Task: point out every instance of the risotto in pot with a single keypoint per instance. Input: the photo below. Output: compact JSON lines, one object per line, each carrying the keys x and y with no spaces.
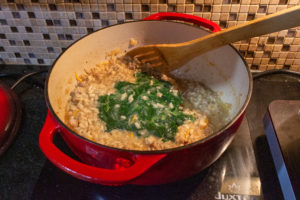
{"x":117,"y":104}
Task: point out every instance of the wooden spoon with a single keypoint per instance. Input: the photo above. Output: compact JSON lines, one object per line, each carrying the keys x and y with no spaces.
{"x":167,"y":57}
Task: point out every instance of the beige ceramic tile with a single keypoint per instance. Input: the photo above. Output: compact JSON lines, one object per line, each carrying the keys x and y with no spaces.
{"x":243,"y":47}
{"x":224,"y":16}
{"x":271,"y":9}
{"x":242,"y":17}
{"x":258,"y":54}
{"x":297,"y":62}
{"x":225,"y":8}
{"x":216,"y":9}
{"x":264,"y":2}
{"x":252,"y":47}
{"x":189,"y":8}
{"x":244,"y":8}
{"x":253,"y":8}
{"x":215,"y":16}
{"x":180,"y":8}
{"x":235,"y":8}
{"x":206,"y":15}
{"x":296,"y":41}
{"x":231,"y":23}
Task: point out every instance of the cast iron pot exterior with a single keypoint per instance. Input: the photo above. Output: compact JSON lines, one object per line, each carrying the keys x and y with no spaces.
{"x":223,"y":70}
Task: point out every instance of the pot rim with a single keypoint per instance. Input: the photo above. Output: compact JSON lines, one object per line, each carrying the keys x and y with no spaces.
{"x":229,"y":124}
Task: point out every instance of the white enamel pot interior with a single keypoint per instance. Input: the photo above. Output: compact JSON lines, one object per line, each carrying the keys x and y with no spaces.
{"x":223,"y":69}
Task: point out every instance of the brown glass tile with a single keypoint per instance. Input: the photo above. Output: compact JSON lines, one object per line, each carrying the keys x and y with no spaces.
{"x":250,"y":16}
{"x":198,"y":8}
{"x":189,"y":1}
{"x":285,"y":48}
{"x":128,"y":16}
{"x":79,"y":15}
{"x":56,"y":22}
{"x":272,"y":61}
{"x":226,"y":1}
{"x":271,"y":40}
{"x":146,"y":8}
{"x":49,"y":22}
{"x":61,"y":36}
{"x":89,"y":30}
{"x":31,"y":14}
{"x":69,"y":37}
{"x":16,"y":15}
{"x":31,"y":55}
{"x":95,"y":15}
{"x":17,"y":55}
{"x":243,"y":53}
{"x":111,"y":7}
{"x":207,"y":8}
{"x":254,"y":67}
{"x":28,"y":29}
{"x":3,"y":22}
{"x":232,"y":16}
{"x":291,"y":33}
{"x":2,"y":36}
{"x":72,"y":22}
{"x":171,"y":8}
{"x":223,"y":24}
{"x":12,"y":42}
{"x":283,"y":2}
{"x":20,"y":7}
{"x":27,"y":61}
{"x":104,"y":23}
{"x":46,"y":36}
{"x":286,"y":67}
{"x":40,"y":61}
{"x":262,"y":9}
{"x":250,"y":54}
{"x":52,"y":7}
{"x":235,"y":1}
{"x":14,"y":29}
{"x":26,"y":42}
{"x":279,"y":40}
{"x":267,"y":54}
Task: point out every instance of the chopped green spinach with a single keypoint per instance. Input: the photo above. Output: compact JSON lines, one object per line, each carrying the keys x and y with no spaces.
{"x":147,"y":107}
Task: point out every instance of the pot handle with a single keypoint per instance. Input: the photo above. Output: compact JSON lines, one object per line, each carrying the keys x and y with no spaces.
{"x":185,"y":17}
{"x":87,"y":172}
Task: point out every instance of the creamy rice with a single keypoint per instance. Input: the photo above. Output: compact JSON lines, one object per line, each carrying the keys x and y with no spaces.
{"x":82,"y":114}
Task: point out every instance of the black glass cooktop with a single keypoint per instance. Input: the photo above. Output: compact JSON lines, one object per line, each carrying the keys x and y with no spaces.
{"x":245,"y":170}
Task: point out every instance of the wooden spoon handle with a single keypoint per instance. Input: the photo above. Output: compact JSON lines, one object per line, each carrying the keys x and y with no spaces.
{"x":281,"y":20}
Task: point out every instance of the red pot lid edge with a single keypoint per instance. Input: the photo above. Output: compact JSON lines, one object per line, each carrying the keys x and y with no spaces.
{"x":10,"y":116}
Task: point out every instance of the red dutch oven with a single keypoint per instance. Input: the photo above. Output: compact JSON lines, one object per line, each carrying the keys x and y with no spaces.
{"x":222,"y":69}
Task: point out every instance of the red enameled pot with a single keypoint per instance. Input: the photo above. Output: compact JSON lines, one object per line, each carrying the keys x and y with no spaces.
{"x":222,"y":69}
{"x":10,"y":116}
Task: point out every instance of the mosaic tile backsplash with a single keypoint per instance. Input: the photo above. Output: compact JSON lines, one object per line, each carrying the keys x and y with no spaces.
{"x":36,"y":31}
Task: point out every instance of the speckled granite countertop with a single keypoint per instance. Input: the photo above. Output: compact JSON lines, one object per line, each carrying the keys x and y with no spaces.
{"x":26,"y":174}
